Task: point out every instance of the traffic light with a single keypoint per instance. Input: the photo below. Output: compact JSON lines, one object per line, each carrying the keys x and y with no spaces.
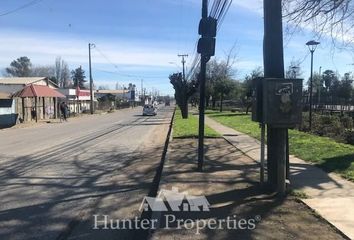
{"x":206,"y":46}
{"x":207,"y":28}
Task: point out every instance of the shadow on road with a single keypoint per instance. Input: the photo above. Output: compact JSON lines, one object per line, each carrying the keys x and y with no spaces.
{"x":54,"y":193}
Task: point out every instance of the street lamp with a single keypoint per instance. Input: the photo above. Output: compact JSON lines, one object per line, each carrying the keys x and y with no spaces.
{"x":312,"y":45}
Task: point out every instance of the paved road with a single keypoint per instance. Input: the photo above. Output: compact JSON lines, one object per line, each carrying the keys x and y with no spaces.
{"x":55,"y":177}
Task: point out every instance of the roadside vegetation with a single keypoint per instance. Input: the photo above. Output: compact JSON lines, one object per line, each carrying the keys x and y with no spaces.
{"x":188,"y":128}
{"x":325,"y":152}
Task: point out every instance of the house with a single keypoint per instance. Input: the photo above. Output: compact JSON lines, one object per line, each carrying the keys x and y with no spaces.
{"x":127,"y":94}
{"x":33,"y":97}
{"x":43,"y":102}
{"x":78,"y":100}
{"x":15,"y":84}
{"x":122,"y":94}
{"x":8,"y":115}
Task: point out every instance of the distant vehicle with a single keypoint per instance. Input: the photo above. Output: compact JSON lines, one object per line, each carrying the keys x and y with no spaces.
{"x":167,"y":103}
{"x":149,"y":110}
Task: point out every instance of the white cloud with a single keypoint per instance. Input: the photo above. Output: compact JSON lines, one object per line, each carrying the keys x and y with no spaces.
{"x":255,"y":6}
{"x":43,"y":48}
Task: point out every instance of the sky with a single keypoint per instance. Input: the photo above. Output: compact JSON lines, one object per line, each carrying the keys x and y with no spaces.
{"x":137,"y":41}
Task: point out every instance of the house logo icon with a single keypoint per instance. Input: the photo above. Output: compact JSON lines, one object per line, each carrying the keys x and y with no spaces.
{"x":173,"y":200}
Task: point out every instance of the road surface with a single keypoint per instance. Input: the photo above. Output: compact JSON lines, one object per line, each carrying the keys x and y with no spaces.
{"x":55,"y":177}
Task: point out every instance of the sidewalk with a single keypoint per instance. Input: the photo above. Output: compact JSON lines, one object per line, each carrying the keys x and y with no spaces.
{"x":230,"y":184}
{"x":328,"y":194}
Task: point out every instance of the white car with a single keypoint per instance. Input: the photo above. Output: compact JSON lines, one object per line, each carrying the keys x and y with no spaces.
{"x":149,"y":110}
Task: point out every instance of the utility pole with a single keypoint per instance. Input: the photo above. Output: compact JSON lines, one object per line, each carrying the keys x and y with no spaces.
{"x":183,"y":62}
{"x":91,"y":45}
{"x":273,"y":60}
{"x":142,"y":93}
{"x":202,"y":78}
{"x":319,"y":88}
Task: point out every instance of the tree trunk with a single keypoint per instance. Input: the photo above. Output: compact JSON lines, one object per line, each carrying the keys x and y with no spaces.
{"x":213,"y":102}
{"x":184,"y":109}
{"x":221,"y":99}
{"x":248,"y":107}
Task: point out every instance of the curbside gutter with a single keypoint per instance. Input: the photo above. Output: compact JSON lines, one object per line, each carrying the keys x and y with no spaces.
{"x":141,"y":233}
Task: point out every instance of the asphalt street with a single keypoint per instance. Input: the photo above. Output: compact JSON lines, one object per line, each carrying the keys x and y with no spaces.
{"x":55,"y":177}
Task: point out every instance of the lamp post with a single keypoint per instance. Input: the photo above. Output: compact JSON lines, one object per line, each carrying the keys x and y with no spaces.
{"x":312,"y":45}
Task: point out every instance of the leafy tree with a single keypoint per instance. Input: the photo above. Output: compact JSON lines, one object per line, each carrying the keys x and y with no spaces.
{"x":21,"y":67}
{"x":329,"y":77}
{"x":183,"y":91}
{"x":318,"y":89}
{"x":346,"y":87}
{"x":78,"y":76}
{"x":223,"y":87}
{"x":219,"y":79}
{"x":247,"y":87}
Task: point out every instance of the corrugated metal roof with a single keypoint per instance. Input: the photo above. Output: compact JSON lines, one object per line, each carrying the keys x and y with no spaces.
{"x":4,"y":95}
{"x":120,"y":91}
{"x":33,"y":90}
{"x":21,"y":80}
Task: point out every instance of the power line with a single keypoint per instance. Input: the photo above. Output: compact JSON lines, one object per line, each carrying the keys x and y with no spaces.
{"x":29,"y":4}
{"x":127,"y":75}
{"x":116,"y":67}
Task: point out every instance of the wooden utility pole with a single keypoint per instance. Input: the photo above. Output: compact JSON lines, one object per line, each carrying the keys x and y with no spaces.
{"x":183,"y":63}
{"x":91,"y":45}
{"x":273,"y":58}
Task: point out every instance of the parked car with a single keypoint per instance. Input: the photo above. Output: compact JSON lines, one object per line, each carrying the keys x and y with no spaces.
{"x":149,"y":110}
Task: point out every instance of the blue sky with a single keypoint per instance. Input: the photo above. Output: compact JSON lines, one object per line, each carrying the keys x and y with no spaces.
{"x":140,"y":39}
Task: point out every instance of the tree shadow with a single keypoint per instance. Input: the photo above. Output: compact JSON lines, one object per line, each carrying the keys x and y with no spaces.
{"x":230,"y":183}
{"x":228,"y":115}
{"x":339,"y":164}
{"x":53,"y":193}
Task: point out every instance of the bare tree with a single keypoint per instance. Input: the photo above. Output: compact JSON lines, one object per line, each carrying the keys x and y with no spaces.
{"x":329,"y":17}
{"x":58,"y":67}
{"x":62,"y":72}
{"x":65,"y":75}
{"x":43,"y":71}
{"x":294,"y":69}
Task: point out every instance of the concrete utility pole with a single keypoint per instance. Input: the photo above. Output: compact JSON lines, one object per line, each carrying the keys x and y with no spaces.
{"x":91,"y":45}
{"x":183,"y":62}
{"x":273,"y":59}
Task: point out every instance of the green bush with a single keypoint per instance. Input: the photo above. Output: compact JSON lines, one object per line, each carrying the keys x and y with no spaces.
{"x":327,"y":125}
{"x":349,"y":136}
{"x":333,"y":126}
{"x":347,"y":122}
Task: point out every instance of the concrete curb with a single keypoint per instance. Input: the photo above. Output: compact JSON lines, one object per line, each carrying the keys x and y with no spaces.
{"x":144,"y":234}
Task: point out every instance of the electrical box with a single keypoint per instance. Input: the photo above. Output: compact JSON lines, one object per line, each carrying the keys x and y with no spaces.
{"x":277,"y":102}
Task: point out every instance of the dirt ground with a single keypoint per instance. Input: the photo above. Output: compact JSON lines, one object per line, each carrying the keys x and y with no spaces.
{"x":230,"y":184}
